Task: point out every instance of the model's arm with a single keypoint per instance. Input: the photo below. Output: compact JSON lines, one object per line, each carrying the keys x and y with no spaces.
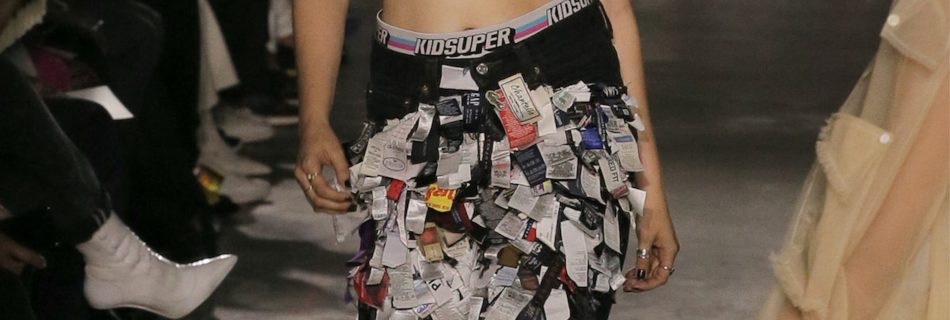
{"x":655,"y":228}
{"x":318,"y":26}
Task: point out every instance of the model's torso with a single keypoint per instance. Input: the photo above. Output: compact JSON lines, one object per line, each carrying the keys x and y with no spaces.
{"x":435,"y":16}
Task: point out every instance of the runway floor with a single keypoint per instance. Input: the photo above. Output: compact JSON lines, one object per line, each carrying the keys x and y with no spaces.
{"x":738,"y":90}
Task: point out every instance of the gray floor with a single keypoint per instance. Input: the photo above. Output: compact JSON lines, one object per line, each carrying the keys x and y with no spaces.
{"x":738,"y":90}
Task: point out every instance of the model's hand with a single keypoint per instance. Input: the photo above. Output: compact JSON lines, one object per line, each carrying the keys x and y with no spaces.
{"x":654,"y":233}
{"x":319,"y":147}
{"x":15,"y":257}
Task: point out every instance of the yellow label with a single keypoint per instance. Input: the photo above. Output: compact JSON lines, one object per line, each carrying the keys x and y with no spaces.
{"x":439,"y":199}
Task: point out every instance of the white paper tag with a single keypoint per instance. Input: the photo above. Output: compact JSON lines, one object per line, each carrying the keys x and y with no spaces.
{"x":575,"y":252}
{"x":475,"y":307}
{"x":637,"y":198}
{"x":611,"y":229}
{"x":373,"y":158}
{"x":626,"y":150}
{"x":613,"y":177}
{"x":457,"y":78}
{"x":523,"y":200}
{"x":416,"y":216}
{"x":103,"y":96}
{"x":508,"y":305}
{"x":546,"y":231}
{"x":440,"y":290}
{"x":395,"y":252}
{"x":556,"y":307}
{"x":519,"y":99}
{"x":590,"y":183}
{"x":401,"y":287}
{"x":546,"y":206}
{"x":510,"y":226}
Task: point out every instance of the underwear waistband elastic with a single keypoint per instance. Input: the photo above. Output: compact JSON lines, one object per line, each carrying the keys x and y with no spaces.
{"x":476,"y":42}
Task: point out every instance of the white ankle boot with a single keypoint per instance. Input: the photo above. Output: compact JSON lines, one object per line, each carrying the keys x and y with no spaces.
{"x":121,"y":271}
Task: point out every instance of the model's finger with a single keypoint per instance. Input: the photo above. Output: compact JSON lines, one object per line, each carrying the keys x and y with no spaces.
{"x":342,"y":170}
{"x":7,"y":262}
{"x":661,"y":272}
{"x":27,"y":256}
{"x":332,"y":207}
{"x":314,"y":184}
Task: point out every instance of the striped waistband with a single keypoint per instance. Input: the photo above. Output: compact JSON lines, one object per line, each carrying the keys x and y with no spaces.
{"x":476,"y":42}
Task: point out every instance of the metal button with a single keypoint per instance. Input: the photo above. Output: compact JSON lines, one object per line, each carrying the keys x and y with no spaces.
{"x":893,"y":20}
{"x":424,"y":90}
{"x":885,"y":138}
{"x":481,"y":68}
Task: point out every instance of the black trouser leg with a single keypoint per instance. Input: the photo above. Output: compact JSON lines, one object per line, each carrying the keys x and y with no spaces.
{"x":40,"y":166}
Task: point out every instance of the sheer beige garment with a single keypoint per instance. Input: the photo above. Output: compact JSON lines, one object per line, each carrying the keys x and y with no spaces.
{"x":870,"y":237}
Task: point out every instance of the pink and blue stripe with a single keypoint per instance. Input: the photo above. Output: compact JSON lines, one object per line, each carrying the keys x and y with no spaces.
{"x":404,"y":44}
{"x":531,"y":27}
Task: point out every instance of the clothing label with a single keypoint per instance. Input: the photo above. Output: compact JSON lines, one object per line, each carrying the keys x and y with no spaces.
{"x":532,"y":165}
{"x":373,"y":158}
{"x":508,"y":305}
{"x":613,"y":177}
{"x":545,"y":206}
{"x":637,"y":198}
{"x":450,"y":106}
{"x":439,"y":199}
{"x":380,"y":204}
{"x":522,"y":200}
{"x":626,"y":150}
{"x":519,"y":99}
{"x":556,"y":307}
{"x":560,"y":160}
{"x":563,"y":100}
{"x":546,"y":231}
{"x":575,"y":252}
{"x":510,"y":226}
{"x":395,"y":252}
{"x":457,"y":78}
{"x":590,"y":183}
{"x":440,"y":290}
{"x":416,"y":216}
{"x":501,"y":172}
{"x":424,"y":125}
{"x":401,"y":287}
{"x":475,"y":307}
{"x":505,"y":276}
{"x":458,"y":249}
{"x":611,"y":229}
{"x":429,"y":243}
{"x":518,"y":134}
{"x":449,"y":163}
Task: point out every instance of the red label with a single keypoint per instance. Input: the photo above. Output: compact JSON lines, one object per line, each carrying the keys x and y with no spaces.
{"x":395,"y":189}
{"x":519,"y":135}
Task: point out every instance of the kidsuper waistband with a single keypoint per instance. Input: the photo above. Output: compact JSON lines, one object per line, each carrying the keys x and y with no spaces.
{"x":477,"y":42}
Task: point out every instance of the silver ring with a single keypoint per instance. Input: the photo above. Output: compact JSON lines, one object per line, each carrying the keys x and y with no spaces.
{"x":643,"y":254}
{"x":668,"y":268}
{"x":310,"y":177}
{"x":309,"y":187}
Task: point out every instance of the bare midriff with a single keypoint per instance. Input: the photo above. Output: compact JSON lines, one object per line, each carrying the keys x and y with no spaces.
{"x":439,"y":16}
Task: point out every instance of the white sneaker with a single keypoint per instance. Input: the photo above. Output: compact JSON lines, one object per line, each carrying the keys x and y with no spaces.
{"x":243,"y":190}
{"x":121,"y":271}
{"x":243,"y":124}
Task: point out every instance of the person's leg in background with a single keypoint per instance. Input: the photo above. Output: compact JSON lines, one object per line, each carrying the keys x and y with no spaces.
{"x":41,"y":168}
{"x":244,"y":24}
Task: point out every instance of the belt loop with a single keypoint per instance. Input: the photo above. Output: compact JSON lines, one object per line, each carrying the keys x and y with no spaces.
{"x":530,"y":71}
{"x":430,"y":80}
